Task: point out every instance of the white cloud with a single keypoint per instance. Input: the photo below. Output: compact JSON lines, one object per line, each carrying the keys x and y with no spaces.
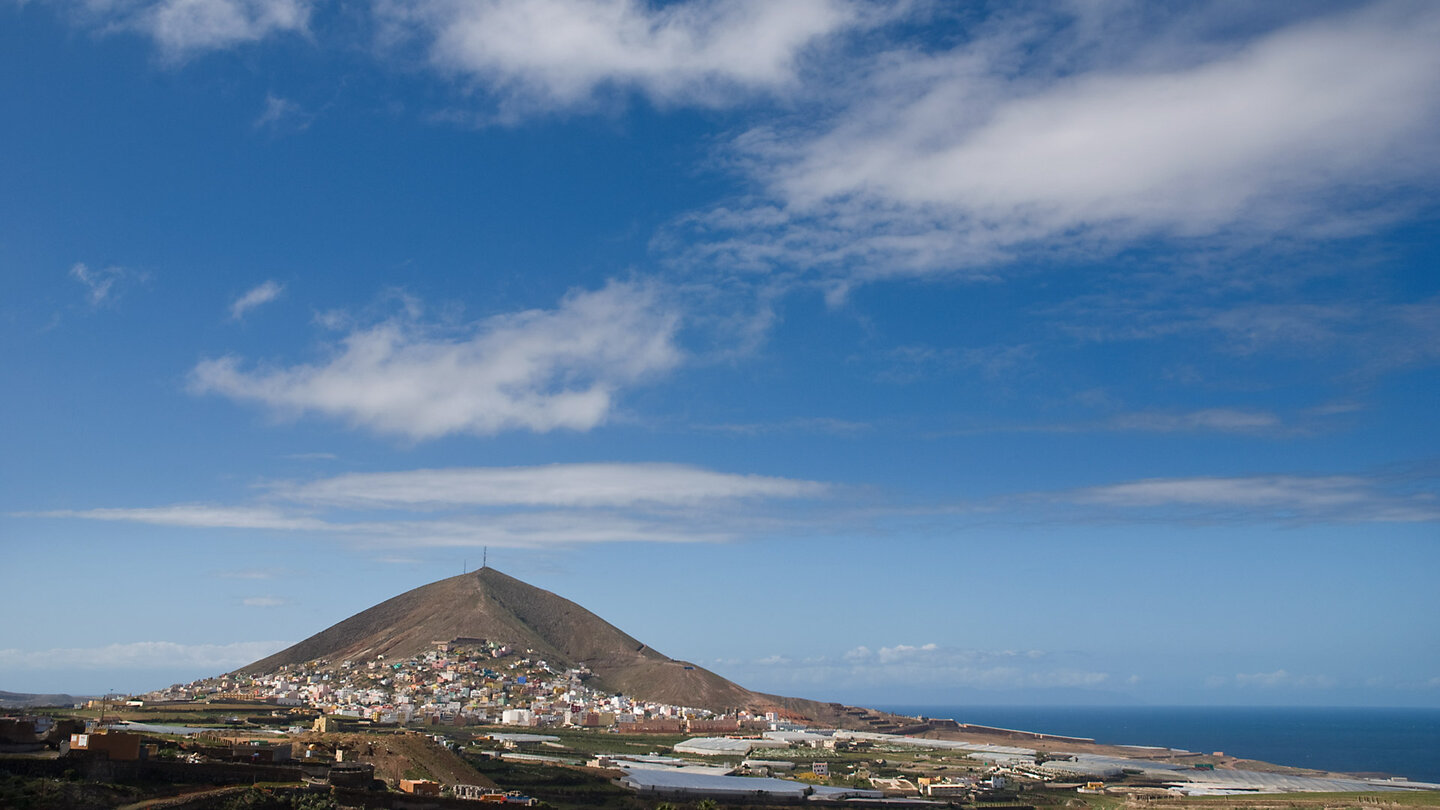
{"x":1343,"y":498}
{"x":184,"y":27}
{"x":517,"y":507}
{"x":1263,"y":491}
{"x":1373,"y":335}
{"x":1347,"y":334}
{"x":197,"y":516}
{"x":538,"y":370}
{"x":262,"y":601}
{"x":1221,"y":420}
{"x":263,"y":294}
{"x":815,"y":424}
{"x":907,"y":364}
{"x":100,"y":285}
{"x":282,"y":113}
{"x":181,"y":26}
{"x":961,"y":159}
{"x":143,"y":655}
{"x":571,"y":485}
{"x":1266,"y":679}
{"x":550,"y":54}
{"x":903,"y":652}
{"x":1273,"y":680}
{"x":932,"y":665}
{"x":540,"y":529}
{"x":1242,"y":421}
{"x":519,"y":530}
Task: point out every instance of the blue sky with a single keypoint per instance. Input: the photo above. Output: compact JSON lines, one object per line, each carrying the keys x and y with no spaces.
{"x":890,"y":352}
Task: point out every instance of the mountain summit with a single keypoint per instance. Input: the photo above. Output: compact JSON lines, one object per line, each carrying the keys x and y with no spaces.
{"x":490,"y":605}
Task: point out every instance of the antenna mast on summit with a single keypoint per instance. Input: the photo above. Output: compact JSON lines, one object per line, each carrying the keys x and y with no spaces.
{"x":485,"y":557}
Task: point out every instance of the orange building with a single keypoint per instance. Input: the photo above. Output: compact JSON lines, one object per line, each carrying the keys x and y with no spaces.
{"x":420,"y":787}
{"x":654,"y":727}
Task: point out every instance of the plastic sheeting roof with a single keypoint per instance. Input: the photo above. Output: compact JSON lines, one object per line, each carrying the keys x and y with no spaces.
{"x":721,"y":746}
{"x":520,"y":738}
{"x":1256,"y":781}
{"x":670,"y":780}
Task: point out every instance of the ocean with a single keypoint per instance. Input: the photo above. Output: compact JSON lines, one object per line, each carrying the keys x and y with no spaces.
{"x":1397,"y":742}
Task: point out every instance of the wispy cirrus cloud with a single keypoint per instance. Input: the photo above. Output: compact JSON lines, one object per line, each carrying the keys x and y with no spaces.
{"x":182,"y":28}
{"x":570,"y":485}
{"x":103,"y":285}
{"x":925,"y":665}
{"x":196,"y":516}
{"x":143,"y":655}
{"x":1280,"y":678}
{"x":554,"y":505}
{"x":1219,"y":420}
{"x":582,"y":504}
{"x":544,"y":55}
{"x":548,"y":528}
{"x":283,"y":114}
{"x":815,"y":424}
{"x":913,"y":363}
{"x":1236,"y":421}
{"x":1367,"y":336}
{"x":528,"y":529}
{"x":1337,"y":498}
{"x":958,"y":160}
{"x":1355,"y":335}
{"x":262,"y":294}
{"x":537,"y":370}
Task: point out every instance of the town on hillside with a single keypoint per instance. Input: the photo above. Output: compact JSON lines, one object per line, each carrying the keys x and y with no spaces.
{"x":464,"y":681}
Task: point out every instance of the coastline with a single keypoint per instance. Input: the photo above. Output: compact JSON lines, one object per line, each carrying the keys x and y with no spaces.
{"x":1362,"y":741}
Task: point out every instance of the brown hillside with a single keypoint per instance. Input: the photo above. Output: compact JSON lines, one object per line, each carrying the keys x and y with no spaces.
{"x":488,"y":604}
{"x":483,"y":604}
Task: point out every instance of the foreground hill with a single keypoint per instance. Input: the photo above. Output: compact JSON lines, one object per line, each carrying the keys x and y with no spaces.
{"x":490,"y":605}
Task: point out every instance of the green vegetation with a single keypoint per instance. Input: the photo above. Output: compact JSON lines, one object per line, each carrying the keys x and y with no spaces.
{"x":198,"y":713}
{"x":259,"y":799}
{"x":22,"y":793}
{"x":1094,"y":801}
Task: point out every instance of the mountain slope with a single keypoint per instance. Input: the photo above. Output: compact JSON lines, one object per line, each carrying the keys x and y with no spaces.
{"x":491,"y":605}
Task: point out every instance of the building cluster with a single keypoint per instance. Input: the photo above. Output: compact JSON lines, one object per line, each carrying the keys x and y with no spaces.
{"x":461,"y":682}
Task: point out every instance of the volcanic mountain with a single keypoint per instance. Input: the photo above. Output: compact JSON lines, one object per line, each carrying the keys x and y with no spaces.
{"x":490,"y":605}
